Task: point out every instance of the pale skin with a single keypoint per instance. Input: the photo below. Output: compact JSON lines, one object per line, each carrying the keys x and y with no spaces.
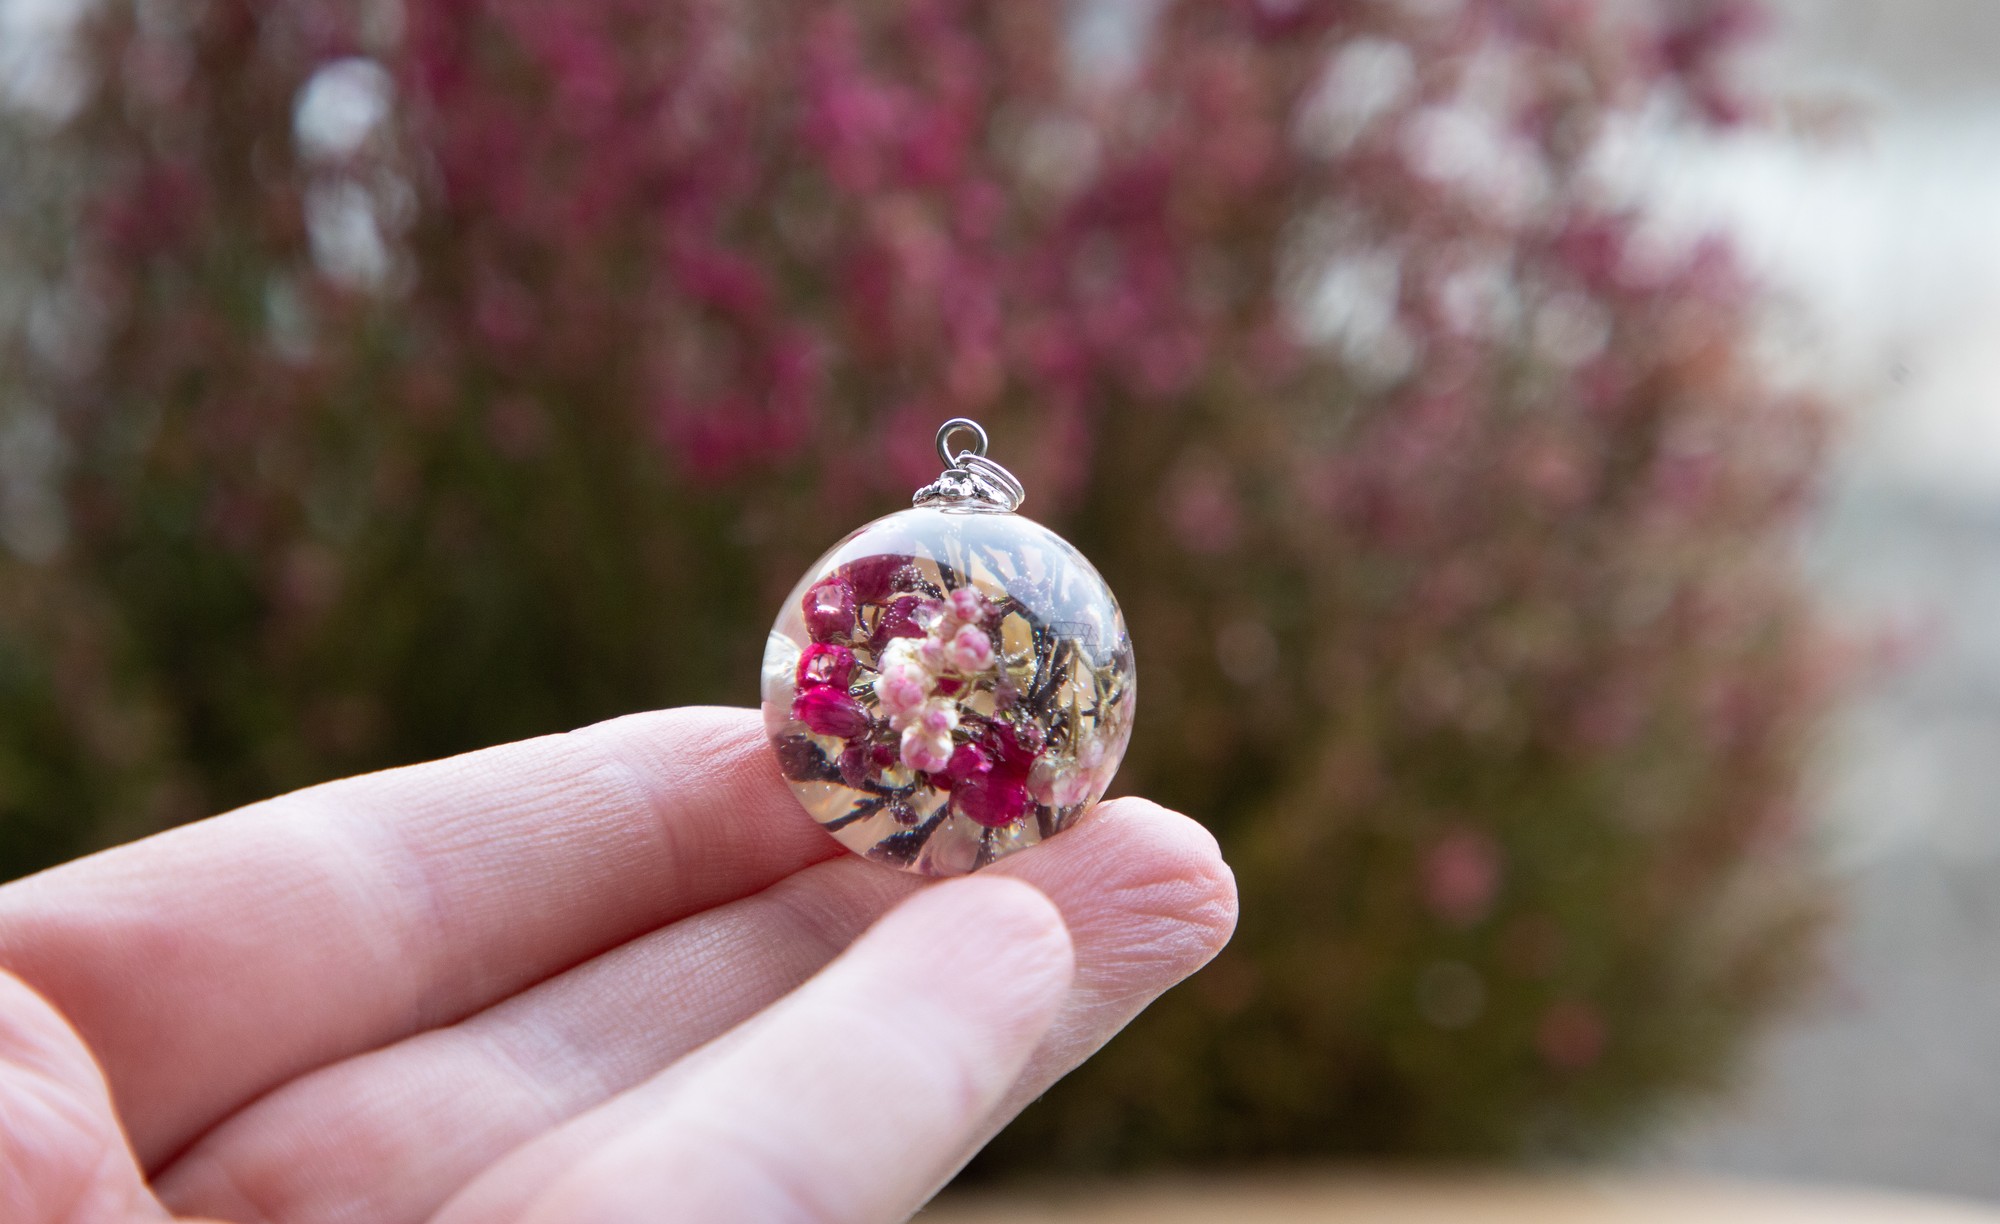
{"x":615,"y":975}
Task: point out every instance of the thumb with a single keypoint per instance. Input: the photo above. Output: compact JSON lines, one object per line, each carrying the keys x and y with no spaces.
{"x":62,"y":1154}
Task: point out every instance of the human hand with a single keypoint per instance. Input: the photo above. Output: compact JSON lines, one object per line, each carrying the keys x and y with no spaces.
{"x":606,"y":976}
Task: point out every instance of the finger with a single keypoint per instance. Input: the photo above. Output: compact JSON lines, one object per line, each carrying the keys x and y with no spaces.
{"x":62,"y":1156}
{"x":1148,"y":926}
{"x":206,"y":965}
{"x":388,"y":1136}
{"x":846,"y":1102}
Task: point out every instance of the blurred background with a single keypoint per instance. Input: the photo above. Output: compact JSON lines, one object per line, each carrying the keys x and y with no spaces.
{"x":1545,"y":449}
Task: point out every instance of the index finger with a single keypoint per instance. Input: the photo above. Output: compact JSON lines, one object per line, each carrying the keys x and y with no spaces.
{"x":208,"y":964}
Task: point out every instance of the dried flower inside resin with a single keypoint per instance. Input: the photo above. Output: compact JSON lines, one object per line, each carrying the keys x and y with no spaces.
{"x":948,"y":685}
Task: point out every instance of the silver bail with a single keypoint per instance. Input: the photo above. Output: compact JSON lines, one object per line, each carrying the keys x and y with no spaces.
{"x":970,"y":480}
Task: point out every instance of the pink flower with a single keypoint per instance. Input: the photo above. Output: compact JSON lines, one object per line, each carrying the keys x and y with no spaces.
{"x":874,"y":579}
{"x":990,"y":778}
{"x":899,"y":620}
{"x":937,"y":718}
{"x":971,"y":650}
{"x":821,"y":664}
{"x":968,"y":763}
{"x":995,"y":799}
{"x":932,"y":654}
{"x":1014,"y":745}
{"x":829,"y":711}
{"x":924,"y":752}
{"x":899,"y":695}
{"x":829,"y":609}
{"x":967,"y":604}
{"x":1059,"y":783}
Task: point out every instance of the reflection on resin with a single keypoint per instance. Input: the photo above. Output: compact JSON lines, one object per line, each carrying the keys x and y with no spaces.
{"x":948,"y":686}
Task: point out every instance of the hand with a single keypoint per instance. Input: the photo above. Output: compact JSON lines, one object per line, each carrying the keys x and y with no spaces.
{"x":615,"y":975}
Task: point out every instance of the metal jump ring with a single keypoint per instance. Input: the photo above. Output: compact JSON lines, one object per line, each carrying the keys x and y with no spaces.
{"x":1011,"y":491}
{"x":969,"y":476}
{"x":954,"y":425}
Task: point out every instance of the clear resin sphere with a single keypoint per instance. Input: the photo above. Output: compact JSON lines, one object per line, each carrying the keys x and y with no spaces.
{"x":947,"y":686}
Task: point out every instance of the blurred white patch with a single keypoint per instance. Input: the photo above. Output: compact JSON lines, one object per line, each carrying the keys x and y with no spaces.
{"x":1477,"y":298}
{"x":1363,"y":81}
{"x":1107,"y":39}
{"x":65,"y":327}
{"x":287,"y":320}
{"x":347,"y":241}
{"x":1886,"y":248}
{"x":1463,"y":146}
{"x":41,"y":70}
{"x":1570,"y":329}
{"x":1354,"y":304}
{"x":343,"y":104}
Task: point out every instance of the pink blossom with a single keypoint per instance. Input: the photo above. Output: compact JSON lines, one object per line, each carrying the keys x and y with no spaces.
{"x":933,"y":655}
{"x":821,"y":664}
{"x":968,"y":762}
{"x":876,"y":578}
{"x":1015,"y":745}
{"x":829,"y":609}
{"x":937,"y":718}
{"x":1059,"y":783}
{"x":899,"y":620}
{"x":899,"y":692}
{"x":992,"y":798}
{"x":924,"y":752}
{"x":967,"y":604}
{"x":971,"y":650}
{"x":829,"y":711}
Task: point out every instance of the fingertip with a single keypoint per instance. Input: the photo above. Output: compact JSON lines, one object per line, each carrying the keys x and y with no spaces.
{"x":1181,"y":847}
{"x":1145,"y":891}
{"x":1143,"y":812}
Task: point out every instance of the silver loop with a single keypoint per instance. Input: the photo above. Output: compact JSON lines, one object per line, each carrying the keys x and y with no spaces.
{"x":951,"y":427}
{"x":970,"y":479}
{"x":1008,"y":487}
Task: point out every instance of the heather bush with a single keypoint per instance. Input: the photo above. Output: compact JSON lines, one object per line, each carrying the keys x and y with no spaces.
{"x":386,"y":380}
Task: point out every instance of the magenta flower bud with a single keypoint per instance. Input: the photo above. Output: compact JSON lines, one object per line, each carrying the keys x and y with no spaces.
{"x":821,"y":664}
{"x":1014,"y":745}
{"x":830,"y":711}
{"x":993,"y":799}
{"x":968,"y":763}
{"x":874,"y":579}
{"x":899,"y":620}
{"x":829,"y":609}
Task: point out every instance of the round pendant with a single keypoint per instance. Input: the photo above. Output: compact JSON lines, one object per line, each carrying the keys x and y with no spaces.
{"x":951,"y":683}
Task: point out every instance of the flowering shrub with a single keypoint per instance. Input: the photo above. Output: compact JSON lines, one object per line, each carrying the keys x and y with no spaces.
{"x":386,"y":380}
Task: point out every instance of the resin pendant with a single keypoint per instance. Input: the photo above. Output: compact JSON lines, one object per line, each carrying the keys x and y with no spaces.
{"x":951,"y":683}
